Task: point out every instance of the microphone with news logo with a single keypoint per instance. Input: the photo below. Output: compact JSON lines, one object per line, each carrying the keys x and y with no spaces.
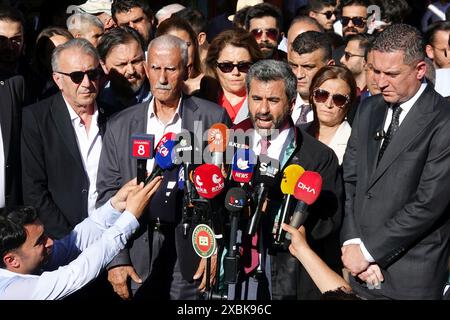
{"x":217,"y":142}
{"x":142,"y":146}
{"x":291,"y":174}
{"x":163,"y":156}
{"x":264,"y":179}
{"x":235,"y":201}
{"x":244,"y":161}
{"x":307,"y":190}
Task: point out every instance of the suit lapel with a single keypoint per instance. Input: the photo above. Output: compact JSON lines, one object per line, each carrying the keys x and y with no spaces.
{"x":6,"y":116}
{"x":61,"y":119}
{"x":417,"y":120}
{"x":376,"y":122}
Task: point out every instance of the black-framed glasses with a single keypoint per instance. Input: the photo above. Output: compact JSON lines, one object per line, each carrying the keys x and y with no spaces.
{"x":328,"y":14}
{"x":348,"y":55}
{"x":321,"y":96}
{"x":78,"y":76}
{"x":357,"y":21}
{"x":227,"y":67}
{"x":271,"y":33}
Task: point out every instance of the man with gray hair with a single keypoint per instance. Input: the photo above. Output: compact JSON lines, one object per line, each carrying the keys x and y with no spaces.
{"x":160,"y":260}
{"x":61,"y":141}
{"x":396,"y":176}
{"x":87,"y":26}
{"x":272,"y":88}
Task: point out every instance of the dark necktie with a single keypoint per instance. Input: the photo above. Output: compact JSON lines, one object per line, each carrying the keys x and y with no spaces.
{"x":393,"y":127}
{"x":305,"y":108}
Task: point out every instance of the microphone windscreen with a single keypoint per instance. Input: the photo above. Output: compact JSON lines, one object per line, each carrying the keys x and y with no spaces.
{"x":180,"y":179}
{"x":164,"y":151}
{"x":218,"y":137}
{"x":267,"y":171}
{"x":235,"y":199}
{"x":208,"y":180}
{"x":244,"y":161}
{"x":308,"y":187}
{"x":290,"y":176}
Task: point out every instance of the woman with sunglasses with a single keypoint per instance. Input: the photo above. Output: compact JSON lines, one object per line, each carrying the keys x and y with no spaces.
{"x":332,"y":94}
{"x":229,"y":57}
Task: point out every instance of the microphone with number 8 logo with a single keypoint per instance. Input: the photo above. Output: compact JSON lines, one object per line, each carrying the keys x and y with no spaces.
{"x":142,"y":146}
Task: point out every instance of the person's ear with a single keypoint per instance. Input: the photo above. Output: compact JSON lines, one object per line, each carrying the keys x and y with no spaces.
{"x":331,"y":62}
{"x":58,"y":79}
{"x":429,"y":51}
{"x":421,"y":68}
{"x":201,"y":38}
{"x":11,"y":261}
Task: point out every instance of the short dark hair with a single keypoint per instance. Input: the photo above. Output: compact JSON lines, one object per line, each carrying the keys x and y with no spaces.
{"x":8,"y":13}
{"x":347,"y":3}
{"x":195,"y":18}
{"x":12,"y":228}
{"x":125,"y":5}
{"x":393,"y":11}
{"x":305,"y":19}
{"x":317,"y":5}
{"x":311,"y":41}
{"x":365,"y":40}
{"x":435,"y":27}
{"x":401,"y":37}
{"x":115,"y":37}
{"x":264,"y":10}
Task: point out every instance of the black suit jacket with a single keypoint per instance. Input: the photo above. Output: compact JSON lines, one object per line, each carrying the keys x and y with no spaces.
{"x":12,"y":95}
{"x":54,"y":178}
{"x":400,"y":208}
{"x":117,"y":167}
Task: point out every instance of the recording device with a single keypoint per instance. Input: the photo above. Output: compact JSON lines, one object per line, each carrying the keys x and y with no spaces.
{"x":264,"y":179}
{"x":163,"y":156}
{"x":235,"y":201}
{"x":307,"y":190}
{"x":217,"y":142}
{"x":142,"y":146}
{"x":291,"y":174}
{"x":244,"y":161}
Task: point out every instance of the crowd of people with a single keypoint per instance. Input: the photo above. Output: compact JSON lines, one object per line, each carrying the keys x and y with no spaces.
{"x":344,"y":89}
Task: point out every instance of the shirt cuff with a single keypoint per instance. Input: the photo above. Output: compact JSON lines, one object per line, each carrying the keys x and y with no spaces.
{"x":128,"y":223}
{"x":352,"y":241}
{"x":366,"y":253}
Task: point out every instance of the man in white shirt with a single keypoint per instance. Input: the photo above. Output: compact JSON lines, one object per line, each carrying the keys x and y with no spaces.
{"x":33,"y":266}
{"x":62,"y":141}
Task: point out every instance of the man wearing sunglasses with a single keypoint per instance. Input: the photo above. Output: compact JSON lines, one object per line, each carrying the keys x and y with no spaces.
{"x":61,"y":141}
{"x":396,"y":168}
{"x":354,"y":17}
{"x":11,"y":40}
{"x":264,"y":22}
{"x":324,"y":12}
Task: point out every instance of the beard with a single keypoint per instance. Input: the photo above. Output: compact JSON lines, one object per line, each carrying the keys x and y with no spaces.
{"x":277,"y":123}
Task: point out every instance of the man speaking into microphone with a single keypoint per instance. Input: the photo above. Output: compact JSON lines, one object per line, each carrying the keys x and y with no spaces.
{"x":271,"y":88}
{"x":160,"y":256}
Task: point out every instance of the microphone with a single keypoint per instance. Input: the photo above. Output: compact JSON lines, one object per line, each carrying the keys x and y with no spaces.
{"x":307,"y":190}
{"x":244,"y":161}
{"x":142,"y":146}
{"x":265,"y":178}
{"x":291,"y":174}
{"x":163,"y":156}
{"x":235,"y":200}
{"x":379,"y":135}
{"x":208,"y":181}
{"x":217,"y":142}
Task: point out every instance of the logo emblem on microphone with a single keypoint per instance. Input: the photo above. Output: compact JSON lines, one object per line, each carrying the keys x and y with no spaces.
{"x":216,"y":179}
{"x":242,"y":164}
{"x":198,"y":181}
{"x":204,"y":241}
{"x":215,"y":136}
{"x":303,"y":186}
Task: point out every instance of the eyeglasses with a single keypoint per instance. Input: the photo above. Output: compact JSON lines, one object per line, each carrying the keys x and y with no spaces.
{"x":78,"y":76}
{"x":15,"y":41}
{"x":227,"y":67}
{"x":321,"y":96}
{"x":348,"y":55}
{"x":357,"y":21}
{"x":271,"y":33}
{"x":327,"y":14}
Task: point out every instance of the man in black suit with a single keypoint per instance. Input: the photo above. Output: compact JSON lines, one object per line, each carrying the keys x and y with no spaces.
{"x":61,"y":141}
{"x":12,"y":95}
{"x":159,"y":254}
{"x":272,"y":88}
{"x":397,"y":177}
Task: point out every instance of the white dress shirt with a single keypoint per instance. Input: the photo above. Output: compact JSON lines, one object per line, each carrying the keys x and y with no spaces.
{"x":98,"y":246}
{"x":339,"y":141}
{"x":2,"y":171}
{"x":159,"y":129}
{"x":278,"y":143}
{"x":90,"y":147}
{"x":406,"y":107}
{"x":297,"y":109}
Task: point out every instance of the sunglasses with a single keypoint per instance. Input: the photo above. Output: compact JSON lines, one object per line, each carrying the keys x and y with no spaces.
{"x":328,"y":14}
{"x":78,"y":76}
{"x":348,"y":55}
{"x":357,"y":21}
{"x":271,"y":33}
{"x":321,"y":96}
{"x":227,"y":67}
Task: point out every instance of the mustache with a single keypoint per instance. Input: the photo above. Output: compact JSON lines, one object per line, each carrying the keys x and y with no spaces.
{"x":266,"y":45}
{"x":264,"y":117}
{"x":163,"y":86}
{"x":351,"y":29}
